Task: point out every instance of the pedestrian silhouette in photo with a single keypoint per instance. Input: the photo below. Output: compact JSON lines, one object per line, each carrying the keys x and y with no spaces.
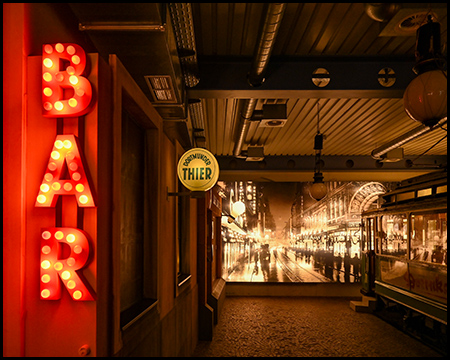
{"x":356,"y":262}
{"x":338,"y":261}
{"x":346,"y":268}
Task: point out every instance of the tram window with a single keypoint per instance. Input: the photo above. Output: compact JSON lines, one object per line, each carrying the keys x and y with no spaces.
{"x":394,"y":235}
{"x":429,"y":237}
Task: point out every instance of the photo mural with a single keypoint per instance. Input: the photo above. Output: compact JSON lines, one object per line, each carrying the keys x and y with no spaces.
{"x":276,"y":232}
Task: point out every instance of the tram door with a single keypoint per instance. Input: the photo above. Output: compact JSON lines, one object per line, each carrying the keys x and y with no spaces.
{"x":368,"y":256}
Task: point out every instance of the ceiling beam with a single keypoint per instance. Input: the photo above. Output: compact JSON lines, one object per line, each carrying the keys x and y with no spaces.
{"x":335,"y":168}
{"x":348,"y":78}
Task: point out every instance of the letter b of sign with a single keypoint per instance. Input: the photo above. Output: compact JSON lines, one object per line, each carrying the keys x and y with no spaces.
{"x":65,"y":92}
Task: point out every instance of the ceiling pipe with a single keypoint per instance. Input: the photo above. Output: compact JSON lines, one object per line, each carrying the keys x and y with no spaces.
{"x":260,"y":62}
{"x":403,"y":139}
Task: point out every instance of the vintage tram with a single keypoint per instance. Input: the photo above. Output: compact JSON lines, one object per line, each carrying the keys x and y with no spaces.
{"x":404,"y":262}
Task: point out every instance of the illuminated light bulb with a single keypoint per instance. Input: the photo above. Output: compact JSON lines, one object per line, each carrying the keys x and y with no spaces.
{"x":48,"y":91}
{"x":79,"y":92}
{"x":77,"y":249}
{"x":48,"y":63}
{"x":58,"y":266}
{"x":45,"y":278}
{"x":76,"y":176}
{"x":45,"y":264}
{"x":52,"y":166}
{"x":70,"y":70}
{"x":56,"y":186}
{"x":47,"y":77}
{"x":73,"y":166}
{"x":70,"y":238}
{"x":45,"y":293}
{"x":73,"y":102}
{"x":48,"y":177}
{"x":46,"y":235}
{"x":45,"y":188}
{"x":59,"y":105}
{"x":70,"y":156}
{"x":79,"y":187}
{"x":67,"y":186}
{"x":46,"y":249}
{"x":65,"y":275}
{"x":73,"y":79}
{"x":77,"y":294}
{"x":70,"y":50}
{"x":58,"y":144}
{"x":67,"y":144}
{"x":59,"y":77}
{"x":59,"y":47}
{"x":70,"y":261}
{"x":48,"y":49}
{"x":84,"y":199}
{"x":55,"y":155}
{"x":48,"y":106}
{"x":59,"y":235}
{"x":76,"y":59}
{"x":71,"y":284}
{"x":41,"y":199}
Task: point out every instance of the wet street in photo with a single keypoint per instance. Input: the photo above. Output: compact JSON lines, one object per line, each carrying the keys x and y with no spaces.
{"x":285,"y":266}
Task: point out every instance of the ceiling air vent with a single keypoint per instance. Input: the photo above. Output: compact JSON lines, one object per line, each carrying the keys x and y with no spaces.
{"x":161,"y":89}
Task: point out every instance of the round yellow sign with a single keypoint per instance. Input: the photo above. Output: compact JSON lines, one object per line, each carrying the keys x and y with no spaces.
{"x":198,"y":169}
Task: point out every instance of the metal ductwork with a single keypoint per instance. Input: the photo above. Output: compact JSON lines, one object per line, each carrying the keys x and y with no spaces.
{"x":183,"y":24}
{"x":403,"y":139}
{"x":260,"y":62}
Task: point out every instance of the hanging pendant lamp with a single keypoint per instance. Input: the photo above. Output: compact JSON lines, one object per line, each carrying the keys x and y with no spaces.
{"x":318,"y":189}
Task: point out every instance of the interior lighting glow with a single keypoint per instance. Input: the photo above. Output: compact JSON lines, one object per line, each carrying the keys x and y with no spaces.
{"x":45,"y":293}
{"x":83,"y":199}
{"x":41,"y":199}
{"x":55,"y":155}
{"x":65,"y":275}
{"x":58,"y":266}
{"x":73,"y":80}
{"x":45,"y":188}
{"x":65,"y":151}
{"x":59,"y":235}
{"x":59,"y":47}
{"x":76,"y":59}
{"x":73,"y":102}
{"x":67,"y":144}
{"x":46,"y":249}
{"x":48,"y":63}
{"x":79,"y":188}
{"x":70,"y":238}
{"x":45,"y":278}
{"x":71,"y":284}
{"x":59,"y":105}
{"x":58,"y":82}
{"x":77,"y":295}
{"x":45,"y":264}
{"x":48,"y":49}
{"x":47,"y":77}
{"x":48,"y":91}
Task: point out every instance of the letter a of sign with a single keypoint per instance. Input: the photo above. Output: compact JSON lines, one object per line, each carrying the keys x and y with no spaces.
{"x":59,"y":263}
{"x":65,"y":151}
{"x":65,"y":92}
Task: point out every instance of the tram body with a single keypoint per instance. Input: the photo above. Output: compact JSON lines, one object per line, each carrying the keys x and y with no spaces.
{"x":404,"y":250}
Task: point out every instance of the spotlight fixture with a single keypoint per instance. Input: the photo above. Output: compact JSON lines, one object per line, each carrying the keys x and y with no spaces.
{"x":318,"y":189}
{"x":425,"y":98}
